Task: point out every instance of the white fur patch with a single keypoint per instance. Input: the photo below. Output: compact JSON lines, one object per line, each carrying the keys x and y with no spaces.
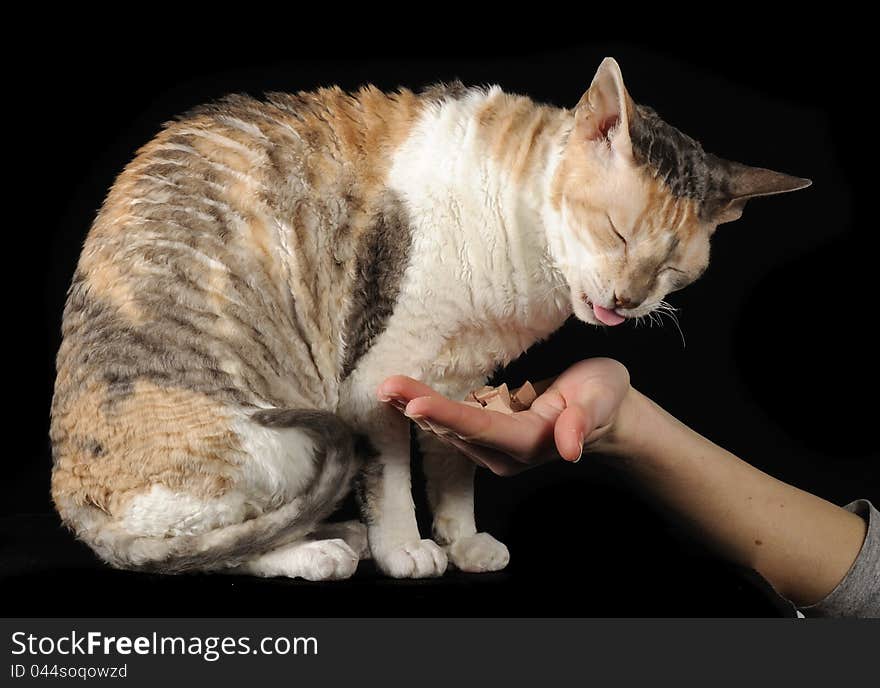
{"x":161,"y":512}
{"x":280,"y":463}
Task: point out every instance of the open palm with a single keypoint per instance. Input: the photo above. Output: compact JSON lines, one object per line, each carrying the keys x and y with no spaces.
{"x":579,"y":407}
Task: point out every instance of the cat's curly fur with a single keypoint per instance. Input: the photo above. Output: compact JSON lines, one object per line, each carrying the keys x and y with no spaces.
{"x":262,"y":265}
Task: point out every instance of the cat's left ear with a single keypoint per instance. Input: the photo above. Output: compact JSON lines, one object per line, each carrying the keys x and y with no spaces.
{"x":603,"y":113}
{"x":739,"y":183}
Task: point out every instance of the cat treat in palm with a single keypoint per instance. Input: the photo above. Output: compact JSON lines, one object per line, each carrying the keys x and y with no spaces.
{"x":502,"y":400}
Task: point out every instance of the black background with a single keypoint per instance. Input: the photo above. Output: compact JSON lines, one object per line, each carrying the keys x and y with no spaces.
{"x":780,"y":358}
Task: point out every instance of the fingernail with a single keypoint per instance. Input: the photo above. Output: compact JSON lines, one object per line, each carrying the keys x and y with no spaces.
{"x":385,"y":396}
{"x":581,"y":445}
{"x":414,"y":416}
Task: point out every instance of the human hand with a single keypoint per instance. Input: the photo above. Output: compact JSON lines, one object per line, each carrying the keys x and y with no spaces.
{"x":577,"y":411}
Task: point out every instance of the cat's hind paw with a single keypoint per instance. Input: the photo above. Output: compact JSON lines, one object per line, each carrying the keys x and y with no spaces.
{"x":421,"y":559}
{"x":328,"y":560}
{"x":478,"y":553}
{"x":319,"y":560}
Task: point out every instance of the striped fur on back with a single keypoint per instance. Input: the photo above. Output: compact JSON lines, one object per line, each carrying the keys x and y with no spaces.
{"x":238,"y":259}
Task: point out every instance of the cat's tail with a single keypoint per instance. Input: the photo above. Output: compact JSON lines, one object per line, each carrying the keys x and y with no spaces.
{"x":333,"y":457}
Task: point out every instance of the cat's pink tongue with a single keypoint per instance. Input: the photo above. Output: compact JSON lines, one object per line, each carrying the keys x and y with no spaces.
{"x":607,"y":317}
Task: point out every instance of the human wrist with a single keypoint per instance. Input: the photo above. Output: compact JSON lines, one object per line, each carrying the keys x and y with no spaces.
{"x":640,"y":434}
{"x":620,"y":438}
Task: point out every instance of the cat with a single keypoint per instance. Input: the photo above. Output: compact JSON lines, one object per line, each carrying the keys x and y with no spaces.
{"x":262,"y":265}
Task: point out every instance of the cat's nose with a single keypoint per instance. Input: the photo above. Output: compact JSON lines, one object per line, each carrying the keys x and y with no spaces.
{"x":625,"y":301}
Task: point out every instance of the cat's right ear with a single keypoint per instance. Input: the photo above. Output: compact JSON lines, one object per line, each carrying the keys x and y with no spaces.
{"x":603,"y":113}
{"x":740,"y":183}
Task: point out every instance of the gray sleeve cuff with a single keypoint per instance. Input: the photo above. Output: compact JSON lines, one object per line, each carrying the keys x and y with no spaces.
{"x":858,"y":594}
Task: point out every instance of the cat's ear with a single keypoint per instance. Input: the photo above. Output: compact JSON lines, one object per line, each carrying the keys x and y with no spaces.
{"x":739,"y":183}
{"x":604,"y":111}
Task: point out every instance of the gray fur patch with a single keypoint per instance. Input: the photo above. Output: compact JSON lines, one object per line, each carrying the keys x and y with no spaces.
{"x":321,"y":425}
{"x":382,"y":257}
{"x":440,"y":92}
{"x":101,"y":344}
{"x":368,"y":485}
{"x":672,"y":156}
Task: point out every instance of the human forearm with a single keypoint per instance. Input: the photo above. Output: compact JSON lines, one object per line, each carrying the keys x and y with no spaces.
{"x":801,"y":543}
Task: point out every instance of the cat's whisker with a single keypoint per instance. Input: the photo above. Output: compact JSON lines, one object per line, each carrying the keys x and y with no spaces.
{"x":674,"y":318}
{"x":666,"y":306}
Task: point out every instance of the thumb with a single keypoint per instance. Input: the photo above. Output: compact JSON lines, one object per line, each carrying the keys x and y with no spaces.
{"x":572,"y":428}
{"x":591,"y":410}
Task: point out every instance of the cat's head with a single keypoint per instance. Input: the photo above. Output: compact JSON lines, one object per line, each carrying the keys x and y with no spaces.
{"x":637,"y":201}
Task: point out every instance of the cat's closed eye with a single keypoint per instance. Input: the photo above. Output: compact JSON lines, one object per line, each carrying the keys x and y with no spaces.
{"x":670,"y":268}
{"x":678,"y":278}
{"x":615,"y":230}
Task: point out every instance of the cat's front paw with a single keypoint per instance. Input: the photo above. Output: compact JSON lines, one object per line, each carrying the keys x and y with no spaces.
{"x":478,"y":553}
{"x":418,"y":559}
